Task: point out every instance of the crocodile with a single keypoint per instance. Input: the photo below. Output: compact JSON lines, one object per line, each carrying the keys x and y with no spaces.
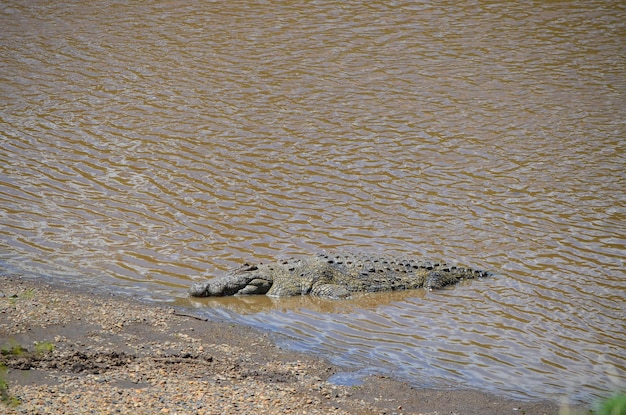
{"x":334,"y":276}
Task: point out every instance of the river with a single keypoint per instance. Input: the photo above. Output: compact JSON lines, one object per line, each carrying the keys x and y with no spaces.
{"x":147,"y":145}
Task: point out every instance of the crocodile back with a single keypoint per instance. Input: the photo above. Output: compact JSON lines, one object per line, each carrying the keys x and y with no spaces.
{"x":365,"y":273}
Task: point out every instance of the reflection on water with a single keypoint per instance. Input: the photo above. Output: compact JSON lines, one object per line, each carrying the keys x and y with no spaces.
{"x":148,"y":145}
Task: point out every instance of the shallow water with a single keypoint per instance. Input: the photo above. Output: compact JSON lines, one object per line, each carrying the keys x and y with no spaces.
{"x":144,"y":146}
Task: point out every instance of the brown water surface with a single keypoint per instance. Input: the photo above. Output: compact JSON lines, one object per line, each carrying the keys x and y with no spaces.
{"x":149,"y":144}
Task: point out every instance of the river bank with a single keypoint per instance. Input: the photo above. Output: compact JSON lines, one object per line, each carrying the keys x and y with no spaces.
{"x":77,"y":352}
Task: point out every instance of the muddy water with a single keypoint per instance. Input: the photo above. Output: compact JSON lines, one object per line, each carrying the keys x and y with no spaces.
{"x":144,"y":146}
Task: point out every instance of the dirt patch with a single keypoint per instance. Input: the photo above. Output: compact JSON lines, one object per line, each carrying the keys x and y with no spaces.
{"x":73,"y":362}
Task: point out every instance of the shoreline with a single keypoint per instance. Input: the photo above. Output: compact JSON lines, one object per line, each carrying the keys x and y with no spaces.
{"x":92,"y":352}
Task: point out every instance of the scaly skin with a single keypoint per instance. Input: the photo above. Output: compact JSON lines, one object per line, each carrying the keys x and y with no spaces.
{"x":334,"y":276}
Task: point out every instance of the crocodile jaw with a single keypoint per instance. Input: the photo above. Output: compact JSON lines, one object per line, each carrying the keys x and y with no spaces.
{"x":208,"y":289}
{"x":247,"y":280}
{"x":200,"y":289}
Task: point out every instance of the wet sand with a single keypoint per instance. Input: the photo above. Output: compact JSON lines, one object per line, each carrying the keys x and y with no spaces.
{"x":115,"y":354}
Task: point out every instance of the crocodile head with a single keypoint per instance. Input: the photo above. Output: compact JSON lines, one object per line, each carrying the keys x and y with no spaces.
{"x":246,"y":280}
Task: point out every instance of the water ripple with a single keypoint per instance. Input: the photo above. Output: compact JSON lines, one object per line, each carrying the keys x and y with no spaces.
{"x":148,"y":145}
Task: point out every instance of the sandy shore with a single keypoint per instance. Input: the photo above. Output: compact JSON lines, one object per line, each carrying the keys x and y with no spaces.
{"x":118,"y":355}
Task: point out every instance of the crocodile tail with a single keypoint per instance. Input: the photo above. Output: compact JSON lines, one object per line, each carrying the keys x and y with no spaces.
{"x":444,"y":276}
